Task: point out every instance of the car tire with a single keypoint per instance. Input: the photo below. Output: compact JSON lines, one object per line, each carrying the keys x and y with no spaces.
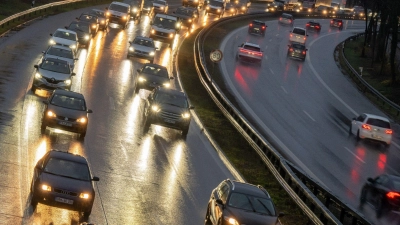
{"x":358,"y":136}
{"x":82,"y":135}
{"x":380,"y":207}
{"x":34,"y":201}
{"x":87,"y":213}
{"x":350,"y":133}
{"x":185,"y":131}
{"x":363,"y":198}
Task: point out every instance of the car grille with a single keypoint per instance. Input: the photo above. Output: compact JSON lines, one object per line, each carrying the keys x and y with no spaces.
{"x":52,"y":80}
{"x":62,"y":45}
{"x":141,"y":52}
{"x":159,"y":33}
{"x":66,"y":118}
{"x":171,"y":116}
{"x":65,"y":192}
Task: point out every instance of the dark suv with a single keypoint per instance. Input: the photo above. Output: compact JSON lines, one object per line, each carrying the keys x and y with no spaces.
{"x":234,"y":202}
{"x":257,"y":27}
{"x":336,"y":23}
{"x":151,"y":76}
{"x":168,"y":108}
{"x":314,"y":26}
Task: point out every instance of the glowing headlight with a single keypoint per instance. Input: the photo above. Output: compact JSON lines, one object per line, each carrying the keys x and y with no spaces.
{"x":102,"y":22}
{"x":324,"y":12}
{"x":46,"y":187}
{"x":155,"y":108}
{"x":231,"y":220}
{"x":151,"y":53}
{"x":84,"y":195}
{"x":231,"y":10}
{"x":171,"y":35}
{"x":243,"y":8}
{"x":93,"y":26}
{"x":51,"y":114}
{"x":124,"y":17}
{"x":186,"y":115}
{"x":72,"y":46}
{"x":134,"y":10}
{"x":81,"y":120}
{"x":67,"y":82}
{"x":87,"y":37}
{"x":166,"y":85}
{"x":141,"y":79}
{"x":107,"y":13}
{"x":162,"y":8}
{"x":52,"y":42}
{"x":218,"y":10}
{"x":297,"y":10}
{"x":131,"y":49}
{"x":196,"y":0}
{"x":190,"y":20}
{"x":309,"y":10}
{"x":208,"y":8}
{"x":153,"y":31}
{"x":361,"y":14}
{"x":38,"y":76}
{"x":333,"y":12}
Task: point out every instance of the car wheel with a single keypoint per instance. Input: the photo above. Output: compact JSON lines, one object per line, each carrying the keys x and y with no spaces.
{"x":87,"y":213}
{"x":82,"y":135}
{"x":380,"y":207}
{"x":358,"y":136}
{"x":350,"y":133}
{"x":185,"y":132}
{"x":34,"y":201}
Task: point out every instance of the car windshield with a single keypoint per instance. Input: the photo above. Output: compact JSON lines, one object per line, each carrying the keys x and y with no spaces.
{"x":298,"y":46}
{"x":140,"y":41}
{"x":65,"y":53}
{"x":65,"y":35}
{"x":216,"y":3}
{"x":98,"y":13}
{"x":134,"y":3}
{"x":378,"y":123}
{"x":88,"y":18}
{"x":299,"y":31}
{"x":157,"y":71}
{"x":55,"y":66}
{"x":67,"y":168}
{"x":286,"y":16}
{"x":160,"y":2}
{"x":252,"y":203}
{"x":184,"y":11}
{"x":118,"y":8}
{"x":258,"y":23}
{"x":171,"y":99}
{"x":148,"y":4}
{"x":68,"y":102}
{"x":81,"y":27}
{"x":164,"y":22}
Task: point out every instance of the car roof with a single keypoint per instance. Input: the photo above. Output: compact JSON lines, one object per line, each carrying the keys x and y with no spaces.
{"x":171,"y":17}
{"x":170,"y":91}
{"x":250,"y":189}
{"x":60,"y":47}
{"x":65,"y":30}
{"x":377,"y":117}
{"x":68,"y":93}
{"x":251,"y":44}
{"x":287,"y":14}
{"x":67,"y":156}
{"x":258,"y":22}
{"x":120,"y":3}
{"x":299,"y":28}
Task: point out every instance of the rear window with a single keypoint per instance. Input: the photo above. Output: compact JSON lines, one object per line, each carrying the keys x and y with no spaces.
{"x":378,"y":123}
{"x":298,"y":46}
{"x":252,"y":48}
{"x":258,"y":23}
{"x":286,"y":16}
{"x":299,"y":31}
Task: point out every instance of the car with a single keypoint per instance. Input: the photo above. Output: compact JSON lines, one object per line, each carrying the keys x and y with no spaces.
{"x":119,"y":13}
{"x":322,"y":9}
{"x":63,"y":180}
{"x":230,"y":9}
{"x":286,"y":18}
{"x":92,"y":20}
{"x":152,"y":75}
{"x":136,"y":9}
{"x":257,"y":27}
{"x":330,"y":10}
{"x":298,"y":34}
{"x":148,"y":8}
{"x":242,"y":6}
{"x":313,"y":25}
{"x":61,"y":52}
{"x":297,"y":51}
{"x":187,"y":15}
{"x":372,"y":127}
{"x":65,"y":38}
{"x":142,"y":47}
{"x":168,"y":108}
{"x":160,"y":6}
{"x":336,"y":23}
{"x":215,"y":7}
{"x":275,"y":6}
{"x":234,"y":202}
{"x":382,"y":193}
{"x":66,"y":110}
{"x":193,"y":3}
{"x":83,"y":31}
{"x":165,"y":28}
{"x":52,"y":74}
{"x":249,"y":52}
{"x":101,"y":15}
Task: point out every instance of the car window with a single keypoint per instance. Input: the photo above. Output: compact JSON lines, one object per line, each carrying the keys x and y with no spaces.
{"x":216,"y":3}
{"x":68,"y":102}
{"x":55,"y":66}
{"x":252,"y":48}
{"x":160,"y":2}
{"x":148,"y":3}
{"x":158,"y":71}
{"x":118,"y":8}
{"x":143,"y":42}
{"x":99,"y":13}
{"x":65,"y":35}
{"x":299,"y":31}
{"x":252,"y":203}
{"x":258,"y":23}
{"x":184,"y":11}
{"x":298,"y":46}
{"x":382,"y":180}
{"x":378,"y":123}
{"x":81,"y":26}
{"x":222,"y":191}
{"x":172,"y":99}
{"x":67,"y":168}
{"x":60,"y":52}
{"x":164,"y":22}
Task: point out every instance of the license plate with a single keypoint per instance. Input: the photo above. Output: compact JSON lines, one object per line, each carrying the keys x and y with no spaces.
{"x":256,"y":28}
{"x":311,"y":26}
{"x":376,"y":136}
{"x":169,"y":121}
{"x":298,"y":51}
{"x":65,"y":123}
{"x":64,"y":200}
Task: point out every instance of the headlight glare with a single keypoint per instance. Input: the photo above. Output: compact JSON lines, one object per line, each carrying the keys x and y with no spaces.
{"x":84,"y":195}
{"x":153,"y":31}
{"x":190,"y":20}
{"x":87,"y":37}
{"x":186,"y":115}
{"x":124,"y":17}
{"x":151,"y":53}
{"x":134,"y":10}
{"x":93,"y":26}
{"x":166,"y":85}
{"x":52,"y":42}
{"x":51,"y":114}
{"x":81,"y":120}
{"x":141,"y":79}
{"x":38,"y":76}
{"x":171,"y":35}
{"x":102,"y":22}
{"x":131,"y":49}
{"x":218,"y":10}
{"x":67,"y":81}
{"x":231,"y":220}
{"x":46,"y":187}
{"x":155,"y":108}
{"x":72,"y":46}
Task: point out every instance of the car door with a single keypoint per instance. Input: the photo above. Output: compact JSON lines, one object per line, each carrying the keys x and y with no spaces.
{"x":356,"y":123}
{"x":377,"y":189}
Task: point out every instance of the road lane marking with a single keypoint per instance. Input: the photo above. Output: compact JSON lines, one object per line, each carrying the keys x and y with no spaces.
{"x":284,"y":89}
{"x":354,"y":155}
{"x":308,"y":115}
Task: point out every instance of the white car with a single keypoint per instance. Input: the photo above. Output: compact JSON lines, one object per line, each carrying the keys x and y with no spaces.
{"x":61,"y":52}
{"x":160,"y":6}
{"x":142,"y":47}
{"x":249,"y":52}
{"x":368,"y":126}
{"x":299,"y":35}
{"x":65,"y":38}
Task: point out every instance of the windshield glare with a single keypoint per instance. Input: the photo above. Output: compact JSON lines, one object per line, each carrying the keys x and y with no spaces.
{"x":60,"y":52}
{"x":55,"y":66}
{"x":68,"y":102}
{"x":65,"y":35}
{"x":166,"y":23}
{"x":143,"y":42}
{"x":161,"y":72}
{"x":81,"y":27}
{"x":68,"y":168}
{"x":252,"y":203}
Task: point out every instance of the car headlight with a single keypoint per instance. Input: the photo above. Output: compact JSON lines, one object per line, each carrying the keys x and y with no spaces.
{"x":208,"y":8}
{"x":87,"y":37}
{"x":81,"y":120}
{"x":162,"y":8}
{"x":72,"y":46}
{"x":141,"y":79}
{"x":67,"y":81}
{"x":51,"y":114}
{"x":84,"y":195}
{"x":151,"y":53}
{"x":243,"y":8}
{"x":231,"y":10}
{"x":324,"y":12}
{"x":124,"y":17}
{"x":231,"y":220}
{"x":297,"y":10}
{"x":167,"y":84}
{"x":93,"y":26}
{"x":134,"y":10}
{"x":38,"y":76}
{"x":52,"y":42}
{"x":153,"y":31}
{"x":186,"y":115}
{"x":171,"y":35}
{"x":190,"y":20}
{"x":218,"y":10}
{"x":102,"y":21}
{"x":107,"y":13}
{"x":46,"y":187}
{"x":155,"y":108}
{"x":131,"y":49}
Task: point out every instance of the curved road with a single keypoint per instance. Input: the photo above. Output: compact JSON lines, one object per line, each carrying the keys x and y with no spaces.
{"x":306,"y":107}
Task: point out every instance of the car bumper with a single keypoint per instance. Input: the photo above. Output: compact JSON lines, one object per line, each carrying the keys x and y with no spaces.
{"x":65,"y":125}
{"x":366,"y":134}
{"x":256,"y":31}
{"x":159,"y":119}
{"x":297,"y":55}
{"x":45,"y":85}
{"x":249,"y":58}
{"x":162,"y":37}
{"x":63,"y":201}
{"x":141,"y":55}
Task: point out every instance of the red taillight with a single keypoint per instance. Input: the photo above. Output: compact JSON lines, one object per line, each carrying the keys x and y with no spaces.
{"x":291,"y":49}
{"x":291,"y":35}
{"x":263,"y":27}
{"x":340,"y":23}
{"x":280,"y":18}
{"x":251,"y":24}
{"x":392,"y":194}
{"x":304,"y":52}
{"x":366,"y":126}
{"x":317,"y":27}
{"x":388,"y":131}
{"x":331,"y":21}
{"x":307,"y":25}
{"x":290,"y":21}
{"x":304,"y":38}
{"x":250,"y":52}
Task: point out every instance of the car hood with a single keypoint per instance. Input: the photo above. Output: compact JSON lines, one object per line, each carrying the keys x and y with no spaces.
{"x":143,"y":48}
{"x":66,"y":183}
{"x":65,"y":112}
{"x":244,"y":217}
{"x":182,"y":16}
{"x":215,"y":7}
{"x":81,"y":33}
{"x":117,"y":13}
{"x":154,"y":79}
{"x":173,"y":108}
{"x":55,"y":75}
{"x":64,"y":41}
{"x":70,"y":61}
{"x":161,"y":29}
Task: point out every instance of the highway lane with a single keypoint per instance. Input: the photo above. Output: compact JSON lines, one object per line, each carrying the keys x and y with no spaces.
{"x":306,"y":107}
{"x":156,"y":178}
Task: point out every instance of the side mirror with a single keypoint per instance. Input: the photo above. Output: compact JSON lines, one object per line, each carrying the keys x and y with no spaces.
{"x":219,"y":201}
{"x":281,"y":214}
{"x":191,"y":107}
{"x":95,"y":179}
{"x":36,"y":66}
{"x":307,"y":35}
{"x":73,"y":74}
{"x":89,"y":111}
{"x":51,"y":34}
{"x":45,"y":102}
{"x":77,"y":18}
{"x":353,"y":118}
{"x":370,"y":180}
{"x":306,"y":49}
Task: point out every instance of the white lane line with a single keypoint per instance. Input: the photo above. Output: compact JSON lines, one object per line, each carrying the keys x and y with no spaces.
{"x":277,"y":35}
{"x":308,"y":115}
{"x":284,"y":89}
{"x":354,"y":155}
{"x":110,"y":73}
{"x":112,"y":103}
{"x":271,"y":71}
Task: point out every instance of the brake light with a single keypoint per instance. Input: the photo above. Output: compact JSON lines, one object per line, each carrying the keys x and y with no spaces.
{"x":291,"y":35}
{"x":331,"y":21}
{"x":317,"y":27}
{"x":280,"y":18}
{"x":304,"y":52}
{"x":392,"y":194}
{"x":290,"y":21}
{"x":251,"y":24}
{"x":263,"y":27}
{"x":366,"y":126}
{"x":304,"y":38}
{"x":340,"y":23}
{"x":291,"y":49}
{"x":250,"y":52}
{"x":307,"y":25}
{"x":388,"y":131}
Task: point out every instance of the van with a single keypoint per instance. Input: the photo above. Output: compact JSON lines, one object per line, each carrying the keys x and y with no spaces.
{"x":164,"y":28}
{"x":119,"y":13}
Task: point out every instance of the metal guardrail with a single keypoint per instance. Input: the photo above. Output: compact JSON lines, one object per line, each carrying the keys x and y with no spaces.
{"x":364,"y":86}
{"x":320,"y":205}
